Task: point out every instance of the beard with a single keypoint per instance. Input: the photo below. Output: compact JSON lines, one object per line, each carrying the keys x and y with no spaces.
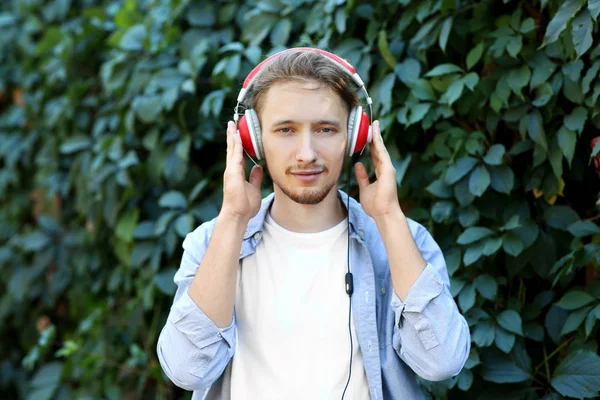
{"x":304,"y":195}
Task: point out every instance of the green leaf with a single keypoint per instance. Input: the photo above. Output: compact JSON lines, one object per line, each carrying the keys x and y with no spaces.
{"x":574,"y":299}
{"x":440,"y":189}
{"x":583,"y":228}
{"x":471,"y":80}
{"x":445,"y":32}
{"x":466,"y":298}
{"x":444,"y":69}
{"x":492,"y":245}
{"x":45,"y":382}
{"x":498,"y":368}
{"x":567,"y":140}
{"x":483,"y":334}
{"x":527,"y":25}
{"x":495,"y":155}
{"x":543,"y":94}
{"x":518,"y":78}
{"x":147,"y":108}
{"x":582,"y":32}
{"x":133,"y":39}
{"x":575,"y":320}
{"x":75,"y":144}
{"x":173,"y":199}
{"x":409,"y":71}
{"x":340,"y":20}
{"x":512,"y":244}
{"x":35,"y":241}
{"x":459,"y":169}
{"x":559,"y":22}
{"x":184,"y":224}
{"x":474,"y":55}
{"x":126,"y":225}
{"x":560,"y":217}
{"x":502,"y":178}
{"x":578,"y":375}
{"x":504,"y":340}
{"x":594,"y":8}
{"x":468,"y":216}
{"x":576,"y":120}
{"x":474,"y":234}
{"x":487,"y":286}
{"x":514,"y":46}
{"x":535,"y":128}
{"x":384,"y":49}
{"x":511,"y":321}
{"x":479,"y":181}
{"x":281,"y":31}
{"x":164,"y":281}
{"x":453,"y":93}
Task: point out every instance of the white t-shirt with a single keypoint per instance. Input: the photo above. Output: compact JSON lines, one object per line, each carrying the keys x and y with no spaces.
{"x":292,"y":319}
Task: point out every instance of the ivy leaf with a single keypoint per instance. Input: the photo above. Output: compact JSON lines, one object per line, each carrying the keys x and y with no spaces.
{"x":511,"y":321}
{"x":445,"y":32}
{"x":173,"y":199}
{"x":459,"y":169}
{"x":574,"y":299}
{"x":512,"y":244}
{"x":594,"y":8}
{"x":560,"y":217}
{"x":384,"y":49}
{"x":495,"y":155}
{"x":498,"y":368}
{"x":582,"y":32}
{"x":45,"y":382}
{"x":409,"y":71}
{"x":559,"y":22}
{"x":504,"y":340}
{"x":535,"y":128}
{"x":474,"y":234}
{"x":576,"y":120}
{"x":474,"y":55}
{"x":519,"y":78}
{"x":543,"y":94}
{"x":502,"y":178}
{"x":164,"y":281}
{"x":578,"y":375}
{"x":133,"y":39}
{"x":567,"y":140}
{"x":583,"y":228}
{"x":453,"y":93}
{"x":444,"y":69}
{"x":575,"y":320}
{"x":479,"y":181}
{"x":487,"y":286}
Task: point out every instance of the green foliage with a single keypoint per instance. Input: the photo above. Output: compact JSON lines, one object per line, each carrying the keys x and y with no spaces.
{"x":112,"y":121}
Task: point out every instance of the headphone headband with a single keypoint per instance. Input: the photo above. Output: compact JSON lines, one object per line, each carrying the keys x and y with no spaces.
{"x":344,"y":66}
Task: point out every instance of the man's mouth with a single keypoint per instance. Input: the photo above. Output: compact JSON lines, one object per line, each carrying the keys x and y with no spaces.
{"x":307,"y":176}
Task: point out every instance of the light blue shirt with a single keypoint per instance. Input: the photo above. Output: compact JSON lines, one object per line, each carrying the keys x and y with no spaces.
{"x":424,"y":335}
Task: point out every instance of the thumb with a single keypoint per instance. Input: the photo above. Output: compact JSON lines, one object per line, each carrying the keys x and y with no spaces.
{"x":256,"y":176}
{"x":362,"y":178}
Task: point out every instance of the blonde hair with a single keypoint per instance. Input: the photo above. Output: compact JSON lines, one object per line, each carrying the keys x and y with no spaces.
{"x":303,"y":66}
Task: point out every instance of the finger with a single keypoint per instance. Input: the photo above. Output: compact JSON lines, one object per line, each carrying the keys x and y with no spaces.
{"x":230,"y":130}
{"x":256,"y":176}
{"x":362,"y":178}
{"x":380,"y":155}
{"x":238,"y":151}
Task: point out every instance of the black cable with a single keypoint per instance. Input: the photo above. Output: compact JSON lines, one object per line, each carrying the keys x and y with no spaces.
{"x":349,"y":278}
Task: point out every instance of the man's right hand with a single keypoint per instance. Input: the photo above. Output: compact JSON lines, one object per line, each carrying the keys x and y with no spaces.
{"x":241,"y":198}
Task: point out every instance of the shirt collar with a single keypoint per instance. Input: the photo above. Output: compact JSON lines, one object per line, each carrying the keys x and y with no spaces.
{"x":356,"y":215}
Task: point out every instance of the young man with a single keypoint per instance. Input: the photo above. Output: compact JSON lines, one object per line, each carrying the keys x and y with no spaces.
{"x":261,"y":310}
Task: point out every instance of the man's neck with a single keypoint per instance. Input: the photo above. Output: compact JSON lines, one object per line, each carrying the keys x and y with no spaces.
{"x":307,"y":218}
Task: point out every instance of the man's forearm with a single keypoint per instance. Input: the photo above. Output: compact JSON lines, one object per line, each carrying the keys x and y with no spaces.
{"x":406,"y":261}
{"x":213,"y":288}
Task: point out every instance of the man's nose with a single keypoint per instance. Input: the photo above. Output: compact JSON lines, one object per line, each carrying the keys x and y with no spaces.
{"x":306,"y":152}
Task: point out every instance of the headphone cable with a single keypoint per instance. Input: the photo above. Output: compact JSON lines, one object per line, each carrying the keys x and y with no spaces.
{"x":349,"y":278}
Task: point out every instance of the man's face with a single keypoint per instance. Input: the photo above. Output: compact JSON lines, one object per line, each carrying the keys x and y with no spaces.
{"x":304,"y":129}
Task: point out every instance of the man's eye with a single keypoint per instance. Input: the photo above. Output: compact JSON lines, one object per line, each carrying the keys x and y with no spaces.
{"x":327,"y":130}
{"x":285,"y":130}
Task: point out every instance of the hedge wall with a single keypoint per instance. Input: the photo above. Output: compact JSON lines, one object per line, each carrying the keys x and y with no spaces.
{"x":112,"y":121}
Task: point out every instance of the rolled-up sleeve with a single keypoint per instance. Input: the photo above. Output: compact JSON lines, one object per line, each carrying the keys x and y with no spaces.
{"x":192,"y":350}
{"x":430,"y":334}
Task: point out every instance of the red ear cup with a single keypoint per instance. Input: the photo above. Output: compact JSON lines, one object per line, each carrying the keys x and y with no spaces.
{"x":245,"y":136}
{"x":363,"y":133}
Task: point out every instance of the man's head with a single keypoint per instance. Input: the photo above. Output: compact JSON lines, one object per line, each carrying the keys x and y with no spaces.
{"x":303,"y":102}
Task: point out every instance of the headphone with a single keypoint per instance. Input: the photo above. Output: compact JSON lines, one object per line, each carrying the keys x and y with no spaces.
{"x":359,"y":125}
{"x":359,"y":134}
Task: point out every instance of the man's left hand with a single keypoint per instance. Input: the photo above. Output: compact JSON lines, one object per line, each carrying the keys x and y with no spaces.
{"x":380,"y":198}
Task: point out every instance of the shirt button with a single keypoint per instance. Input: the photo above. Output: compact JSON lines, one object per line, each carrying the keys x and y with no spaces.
{"x":257,"y":236}
{"x":383,"y":290}
{"x":361,"y":233}
{"x":369,"y":345}
{"x":219,"y":334}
